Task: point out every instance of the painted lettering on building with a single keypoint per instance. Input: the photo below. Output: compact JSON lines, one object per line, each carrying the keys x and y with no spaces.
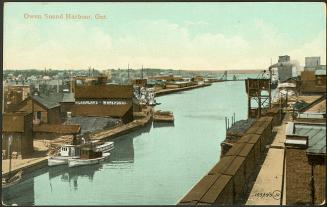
{"x":101,"y":102}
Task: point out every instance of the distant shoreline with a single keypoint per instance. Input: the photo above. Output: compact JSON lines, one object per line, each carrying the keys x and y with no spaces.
{"x":209,"y":71}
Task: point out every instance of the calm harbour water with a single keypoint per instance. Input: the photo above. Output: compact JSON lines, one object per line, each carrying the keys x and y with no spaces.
{"x":154,"y":165}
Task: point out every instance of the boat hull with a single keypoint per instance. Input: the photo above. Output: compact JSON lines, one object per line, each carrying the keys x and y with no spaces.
{"x":54,"y":161}
{"x":12,"y":181}
{"x":80,"y":162}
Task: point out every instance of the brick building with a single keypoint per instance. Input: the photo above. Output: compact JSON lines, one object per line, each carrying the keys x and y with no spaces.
{"x":313,"y":81}
{"x":19,"y":125}
{"x":305,"y":151}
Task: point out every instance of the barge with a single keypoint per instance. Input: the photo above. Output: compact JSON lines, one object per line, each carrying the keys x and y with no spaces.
{"x":163,"y":116}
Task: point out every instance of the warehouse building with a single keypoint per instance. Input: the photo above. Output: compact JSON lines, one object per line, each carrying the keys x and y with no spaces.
{"x":313,"y":81}
{"x":97,"y":99}
{"x":305,"y":163}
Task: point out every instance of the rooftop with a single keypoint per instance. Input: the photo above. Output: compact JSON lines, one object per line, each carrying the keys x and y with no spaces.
{"x":318,"y":107}
{"x":49,"y":101}
{"x":320,"y":72}
{"x":68,"y":97}
{"x":104,"y":91}
{"x":92,"y":124}
{"x":316,"y":137}
{"x":57,"y":128}
{"x":316,"y":134}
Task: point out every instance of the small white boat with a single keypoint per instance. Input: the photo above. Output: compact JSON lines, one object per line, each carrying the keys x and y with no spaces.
{"x":81,"y":161}
{"x":66,"y":152}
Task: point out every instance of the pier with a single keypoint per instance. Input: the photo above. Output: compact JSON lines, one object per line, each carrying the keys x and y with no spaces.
{"x":174,"y":90}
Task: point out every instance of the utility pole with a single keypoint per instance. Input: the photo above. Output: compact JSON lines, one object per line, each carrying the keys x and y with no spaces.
{"x":128,"y":72}
{"x":270,"y":74}
{"x":9,"y":151}
{"x":3,"y":98}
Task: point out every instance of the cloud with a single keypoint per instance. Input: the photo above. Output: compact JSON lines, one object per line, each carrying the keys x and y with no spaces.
{"x":195,"y":23}
{"x":64,"y":46}
{"x":315,"y":47}
{"x":152,"y":43}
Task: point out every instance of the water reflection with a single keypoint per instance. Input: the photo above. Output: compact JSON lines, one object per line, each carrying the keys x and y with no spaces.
{"x":163,"y":124}
{"x":24,"y":195}
{"x":67,"y":174}
{"x":122,"y":156}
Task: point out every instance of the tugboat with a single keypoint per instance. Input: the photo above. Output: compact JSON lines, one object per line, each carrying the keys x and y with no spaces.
{"x":73,"y":152}
{"x":91,"y":155}
{"x":66,"y":152}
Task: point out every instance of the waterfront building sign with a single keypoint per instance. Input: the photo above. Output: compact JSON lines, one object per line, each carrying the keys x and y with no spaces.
{"x":101,"y":102}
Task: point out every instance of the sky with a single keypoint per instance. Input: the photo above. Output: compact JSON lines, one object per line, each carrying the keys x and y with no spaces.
{"x":181,"y":36}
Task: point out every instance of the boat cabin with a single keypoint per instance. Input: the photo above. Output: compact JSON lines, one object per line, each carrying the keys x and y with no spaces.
{"x":107,"y":146}
{"x":89,"y":153}
{"x":69,"y":151}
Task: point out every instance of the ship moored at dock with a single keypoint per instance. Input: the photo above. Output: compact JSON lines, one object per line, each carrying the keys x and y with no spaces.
{"x":66,"y":152}
{"x":88,"y":156}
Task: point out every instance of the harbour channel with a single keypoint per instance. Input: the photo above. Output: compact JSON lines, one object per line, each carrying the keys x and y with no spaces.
{"x":157,"y":164}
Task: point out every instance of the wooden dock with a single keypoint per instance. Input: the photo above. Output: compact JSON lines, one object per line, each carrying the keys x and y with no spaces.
{"x":174,"y":90}
{"x":145,"y":117}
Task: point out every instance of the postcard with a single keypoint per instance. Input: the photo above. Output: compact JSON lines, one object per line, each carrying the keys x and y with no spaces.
{"x":164,"y":103}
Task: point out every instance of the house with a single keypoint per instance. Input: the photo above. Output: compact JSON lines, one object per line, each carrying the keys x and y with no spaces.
{"x":19,"y":125}
{"x":45,"y":108}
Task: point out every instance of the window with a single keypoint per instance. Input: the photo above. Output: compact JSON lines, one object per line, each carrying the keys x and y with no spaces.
{"x":38,"y":115}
